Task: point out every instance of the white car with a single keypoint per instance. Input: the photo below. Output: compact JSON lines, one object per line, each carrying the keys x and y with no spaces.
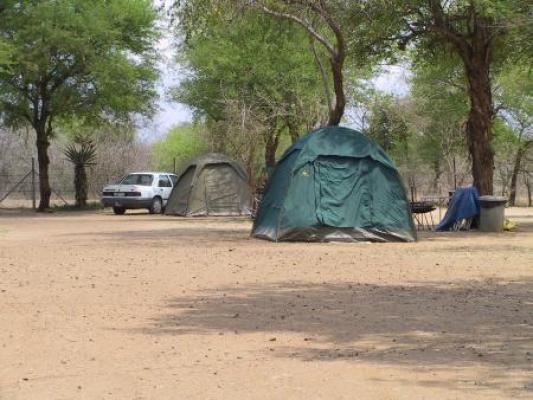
{"x":149,"y":190}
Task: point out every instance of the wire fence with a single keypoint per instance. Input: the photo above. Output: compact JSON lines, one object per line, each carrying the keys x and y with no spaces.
{"x":22,"y":189}
{"x":19,"y":183}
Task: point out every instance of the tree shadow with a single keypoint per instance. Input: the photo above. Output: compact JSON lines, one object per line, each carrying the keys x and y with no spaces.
{"x":439,"y":325}
{"x":174,"y":236}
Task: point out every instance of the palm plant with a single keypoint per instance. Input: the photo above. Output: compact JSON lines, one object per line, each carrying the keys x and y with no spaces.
{"x":81,"y":156}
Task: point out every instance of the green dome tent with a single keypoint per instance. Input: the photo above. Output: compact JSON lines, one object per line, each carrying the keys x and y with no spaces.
{"x":211,"y":184}
{"x":335,"y":184}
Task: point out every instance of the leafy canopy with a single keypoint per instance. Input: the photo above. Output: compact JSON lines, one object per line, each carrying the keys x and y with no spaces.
{"x":256,"y":59}
{"x":180,"y":145}
{"x":92,"y":59}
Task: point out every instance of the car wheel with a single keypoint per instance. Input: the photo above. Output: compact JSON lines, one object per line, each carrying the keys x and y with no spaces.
{"x":119,"y":210}
{"x":157,"y":206}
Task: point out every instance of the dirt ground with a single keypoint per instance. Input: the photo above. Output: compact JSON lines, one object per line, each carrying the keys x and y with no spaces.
{"x":97,"y":306}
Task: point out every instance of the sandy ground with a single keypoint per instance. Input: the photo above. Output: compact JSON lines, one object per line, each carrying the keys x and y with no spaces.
{"x":97,"y":306}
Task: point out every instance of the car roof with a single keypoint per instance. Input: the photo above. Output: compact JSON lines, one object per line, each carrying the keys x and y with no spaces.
{"x":151,"y":173}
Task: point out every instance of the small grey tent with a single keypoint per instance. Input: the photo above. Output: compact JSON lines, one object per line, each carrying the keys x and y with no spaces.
{"x":212,"y":184}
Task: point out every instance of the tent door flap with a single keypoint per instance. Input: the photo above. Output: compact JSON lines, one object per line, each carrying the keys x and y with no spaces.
{"x":342,"y":192}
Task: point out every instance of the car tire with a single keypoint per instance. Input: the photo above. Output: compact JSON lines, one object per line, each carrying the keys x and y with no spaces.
{"x":119,"y":210}
{"x":157,"y":206}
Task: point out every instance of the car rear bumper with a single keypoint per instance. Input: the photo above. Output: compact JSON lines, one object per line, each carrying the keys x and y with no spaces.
{"x":126,"y":202}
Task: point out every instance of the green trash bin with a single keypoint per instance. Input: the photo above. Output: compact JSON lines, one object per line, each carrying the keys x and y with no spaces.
{"x":492,"y":214}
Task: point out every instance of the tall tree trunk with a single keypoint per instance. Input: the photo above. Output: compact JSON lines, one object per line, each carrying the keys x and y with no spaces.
{"x":45,"y":190}
{"x":477,"y":54}
{"x":529,"y":185}
{"x":250,"y":164}
{"x":438,"y":172}
{"x":514,"y":176}
{"x":475,"y":49}
{"x":271,"y":146}
{"x":323,"y":74}
{"x":293,"y":129}
{"x":479,"y":122}
{"x":337,"y":63}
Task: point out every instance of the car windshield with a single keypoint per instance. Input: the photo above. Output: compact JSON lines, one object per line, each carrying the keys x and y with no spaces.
{"x":138,"y":179}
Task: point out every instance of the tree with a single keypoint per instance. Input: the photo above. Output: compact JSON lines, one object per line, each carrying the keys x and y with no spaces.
{"x":322,"y":22}
{"x":482,"y":34}
{"x":5,"y":48}
{"x":5,"y":55}
{"x":424,"y":130}
{"x":515,"y":103}
{"x":252,"y":80}
{"x":180,"y":145}
{"x":81,"y":155}
{"x":388,"y":126}
{"x":439,"y":104}
{"x":75,"y":58}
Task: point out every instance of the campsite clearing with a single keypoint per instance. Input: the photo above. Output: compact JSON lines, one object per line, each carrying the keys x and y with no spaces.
{"x":97,"y":306}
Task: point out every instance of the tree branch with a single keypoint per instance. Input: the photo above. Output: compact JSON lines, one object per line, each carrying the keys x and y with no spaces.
{"x":322,"y":74}
{"x":306,"y":25}
{"x":442,"y":27}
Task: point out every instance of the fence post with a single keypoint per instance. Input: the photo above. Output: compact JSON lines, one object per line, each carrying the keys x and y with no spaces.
{"x":33,"y":197}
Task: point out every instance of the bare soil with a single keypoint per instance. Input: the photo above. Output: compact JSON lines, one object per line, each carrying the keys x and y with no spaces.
{"x":97,"y":306}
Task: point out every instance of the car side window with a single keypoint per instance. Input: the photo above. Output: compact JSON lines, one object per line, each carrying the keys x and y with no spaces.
{"x":174,"y":179}
{"x":164,"y":181}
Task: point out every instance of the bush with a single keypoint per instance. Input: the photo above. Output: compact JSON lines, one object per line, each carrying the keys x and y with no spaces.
{"x":181,"y":144}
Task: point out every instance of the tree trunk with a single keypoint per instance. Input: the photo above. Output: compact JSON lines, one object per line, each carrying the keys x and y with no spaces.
{"x":529,"y":188}
{"x":45,"y":190}
{"x":438,"y":172}
{"x":476,"y":53}
{"x":80,"y":184}
{"x":337,"y":111}
{"x":323,"y":74}
{"x":514,"y":176}
{"x":479,"y":126}
{"x":250,"y":167}
{"x":271,"y":146}
{"x":293,"y":129}
{"x":479,"y":122}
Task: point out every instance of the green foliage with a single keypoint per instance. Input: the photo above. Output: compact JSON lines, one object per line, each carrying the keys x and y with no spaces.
{"x":81,"y":155}
{"x":181,"y":144}
{"x":263,"y":62}
{"x":505,"y":139}
{"x":80,"y":130}
{"x":253,"y":79}
{"x":388,"y":126}
{"x":391,"y":24}
{"x":5,"y":55}
{"x":514,"y":92}
{"x":76,"y":57}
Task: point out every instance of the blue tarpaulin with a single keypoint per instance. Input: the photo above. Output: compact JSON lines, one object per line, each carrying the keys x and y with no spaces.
{"x":463,"y":205}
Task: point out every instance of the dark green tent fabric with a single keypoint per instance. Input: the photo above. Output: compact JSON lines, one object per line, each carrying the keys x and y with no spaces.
{"x":211,"y":184}
{"x":335,"y":184}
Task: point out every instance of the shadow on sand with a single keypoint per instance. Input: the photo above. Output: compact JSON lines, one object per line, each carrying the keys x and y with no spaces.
{"x":439,"y":325}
